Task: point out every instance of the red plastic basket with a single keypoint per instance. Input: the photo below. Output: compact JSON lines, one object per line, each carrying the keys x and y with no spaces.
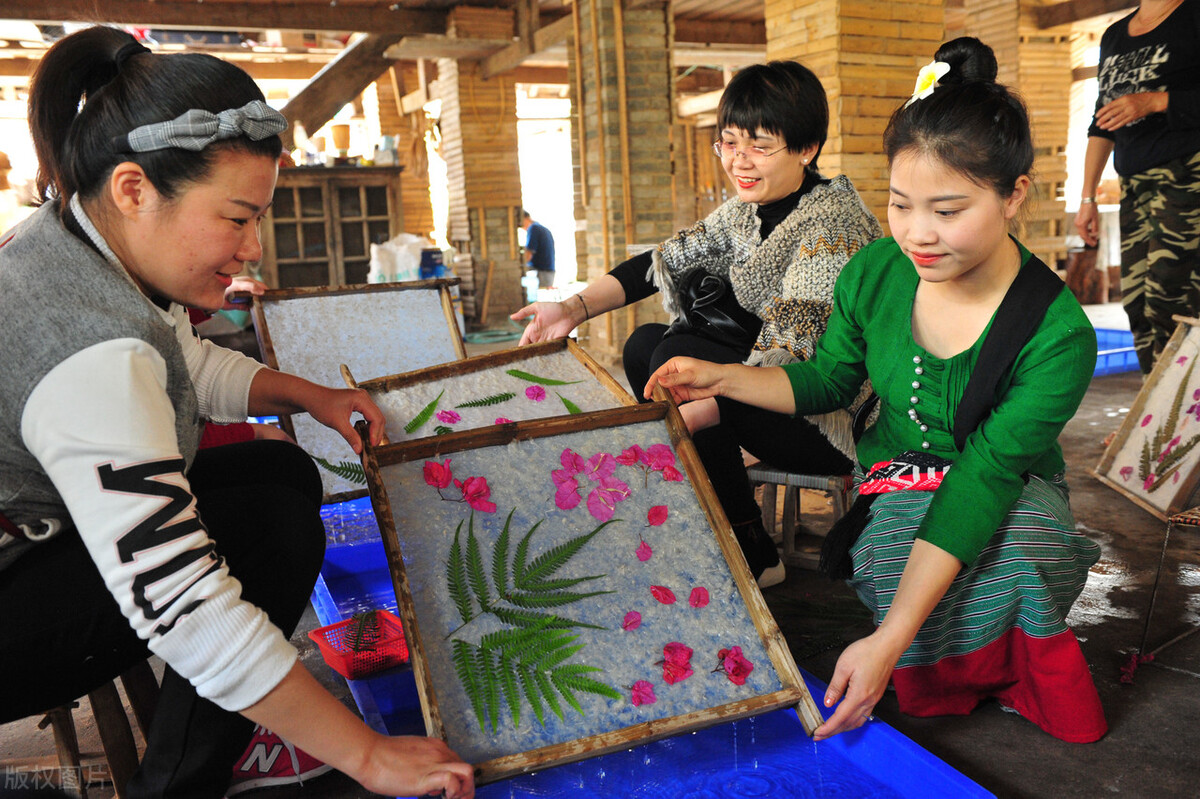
{"x":388,"y":649}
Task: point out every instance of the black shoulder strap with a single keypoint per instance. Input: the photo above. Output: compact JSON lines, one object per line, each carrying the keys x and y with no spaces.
{"x":1020,"y":312}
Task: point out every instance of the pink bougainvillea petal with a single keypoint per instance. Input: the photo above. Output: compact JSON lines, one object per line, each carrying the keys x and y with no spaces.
{"x":660,"y":455}
{"x":656,"y":515}
{"x":630,"y":456}
{"x":1175,"y":477}
{"x":1148,"y":483}
{"x":1182,"y":359}
{"x":535,"y":393}
{"x":736,"y":667}
{"x":671,"y":474}
{"x":567,"y":495}
{"x":601,"y":505}
{"x":503,"y":420}
{"x":642,"y":693}
{"x":1146,"y":421}
{"x":675,"y":652}
{"x":437,"y":474}
{"x":676,"y":672}
{"x":699,"y":597}
{"x":663,"y":594}
{"x":571,"y":461}
{"x":449,"y":417}
{"x":476,"y":493}
{"x":644,"y":552}
{"x":599,"y":466}
{"x":1126,"y":472}
{"x":632,"y":621}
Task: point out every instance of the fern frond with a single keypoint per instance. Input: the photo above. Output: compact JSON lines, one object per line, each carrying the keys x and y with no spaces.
{"x":547,"y":689}
{"x":500,"y":558}
{"x":513,"y":640}
{"x":530,"y":618}
{"x":426,"y":412}
{"x":475,"y":576}
{"x":553,"y":559}
{"x":483,"y":402}
{"x":532,"y":696}
{"x":548,"y":600}
{"x":347,"y":470}
{"x":570,"y":675}
{"x":442,"y":430}
{"x":570,"y":406}
{"x":564,"y":688}
{"x":545,"y":381}
{"x":456,"y":579}
{"x":491,"y":691}
{"x":508,"y":685}
{"x":558,"y":585}
{"x":464,"y":667}
{"x":523,"y":552}
{"x":548,"y":660}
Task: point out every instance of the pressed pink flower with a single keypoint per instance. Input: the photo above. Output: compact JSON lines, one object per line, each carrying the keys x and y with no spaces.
{"x":1182,"y":359}
{"x":1175,"y":477}
{"x":634,"y":454}
{"x":632,"y":621}
{"x":449,"y":417}
{"x":503,"y":420}
{"x":676,"y":672}
{"x":1148,"y":483}
{"x":736,"y":667}
{"x":671,"y":474}
{"x":1146,"y":421}
{"x":644,"y":552}
{"x":659,"y":455}
{"x":656,"y":515}
{"x":1170,"y":446}
{"x":643,"y":693}
{"x":437,"y":474}
{"x":475,"y":492}
{"x":663,"y":594}
{"x":699,"y":597}
{"x":600,"y":466}
{"x":535,"y":393}
{"x":1126,"y":472}
{"x":676,"y":652}
{"x":603,"y":499}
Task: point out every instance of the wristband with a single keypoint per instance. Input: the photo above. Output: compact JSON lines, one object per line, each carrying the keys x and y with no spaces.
{"x":586,"y":315}
{"x":1087,"y":200}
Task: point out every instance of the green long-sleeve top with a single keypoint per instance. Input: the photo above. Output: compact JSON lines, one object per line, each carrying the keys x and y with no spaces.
{"x":870,"y":335}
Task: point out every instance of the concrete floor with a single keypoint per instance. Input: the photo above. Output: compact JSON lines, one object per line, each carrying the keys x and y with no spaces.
{"x":1148,"y":751}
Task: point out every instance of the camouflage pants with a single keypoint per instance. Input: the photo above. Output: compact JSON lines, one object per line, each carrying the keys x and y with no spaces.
{"x":1160,"y":262}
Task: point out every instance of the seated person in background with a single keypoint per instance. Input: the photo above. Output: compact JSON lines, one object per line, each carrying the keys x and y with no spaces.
{"x":968,"y":556}
{"x":751,"y":283}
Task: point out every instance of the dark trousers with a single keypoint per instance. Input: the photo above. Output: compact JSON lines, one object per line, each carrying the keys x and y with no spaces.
{"x":789,"y":443}
{"x":64,"y":634}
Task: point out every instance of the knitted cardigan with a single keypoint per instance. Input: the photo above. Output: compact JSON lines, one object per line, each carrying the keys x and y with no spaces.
{"x":787,"y":280}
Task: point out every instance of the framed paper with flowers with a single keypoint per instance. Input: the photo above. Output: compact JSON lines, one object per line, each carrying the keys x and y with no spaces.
{"x":569,"y":586}
{"x":374,"y":329}
{"x":554,"y":378}
{"x":1154,"y":460}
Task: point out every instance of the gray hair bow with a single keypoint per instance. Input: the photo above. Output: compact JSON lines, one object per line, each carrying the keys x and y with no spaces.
{"x":196,"y":129}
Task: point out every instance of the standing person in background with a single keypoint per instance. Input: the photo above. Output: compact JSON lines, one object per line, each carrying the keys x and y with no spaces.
{"x":539,"y":250}
{"x":1148,"y":114}
{"x":118,"y":538}
{"x":751,"y":282}
{"x":968,"y":556}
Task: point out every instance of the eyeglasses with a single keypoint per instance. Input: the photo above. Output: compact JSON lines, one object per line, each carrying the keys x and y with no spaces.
{"x":727,"y":149}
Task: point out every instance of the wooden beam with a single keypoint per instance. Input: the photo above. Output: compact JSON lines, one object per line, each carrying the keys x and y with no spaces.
{"x":704,"y":31}
{"x":543,"y":39}
{"x":434,"y":46}
{"x":344,"y":78}
{"x":1084,"y":73}
{"x":376,"y":18}
{"x":1078,"y":10}
{"x":742,"y":55}
{"x":698,"y":104}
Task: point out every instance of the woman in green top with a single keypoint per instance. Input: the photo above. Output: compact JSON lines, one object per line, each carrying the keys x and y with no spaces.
{"x":971,"y":578}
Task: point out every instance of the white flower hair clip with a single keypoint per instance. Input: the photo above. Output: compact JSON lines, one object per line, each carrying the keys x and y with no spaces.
{"x":927,"y":80}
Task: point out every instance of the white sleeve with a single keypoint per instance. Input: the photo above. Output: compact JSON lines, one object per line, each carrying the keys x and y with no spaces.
{"x":222,"y":377}
{"x":112,"y":453}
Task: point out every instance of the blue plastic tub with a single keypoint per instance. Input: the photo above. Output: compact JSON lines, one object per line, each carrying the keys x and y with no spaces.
{"x":765,"y":756}
{"x":1116,"y":353}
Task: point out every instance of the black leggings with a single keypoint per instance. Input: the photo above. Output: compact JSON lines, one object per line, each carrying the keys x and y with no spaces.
{"x":789,"y":443}
{"x":65,"y":636}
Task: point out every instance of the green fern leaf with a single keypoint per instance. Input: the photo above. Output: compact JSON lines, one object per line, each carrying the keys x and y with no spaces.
{"x":545,"y":381}
{"x":570,"y":406}
{"x":558,"y":585}
{"x":456,"y":579}
{"x":532,"y":696}
{"x":565,"y":689}
{"x":513,"y":640}
{"x":548,"y":600}
{"x":347,"y":470}
{"x":491,"y":691}
{"x":572,"y":675}
{"x":475,"y":576}
{"x":552,"y":658}
{"x":500,"y":558}
{"x":552,"y":560}
{"x":508,"y":684}
{"x":529,"y":618}
{"x":464,"y":666}
{"x":523,"y":552}
{"x":483,"y":402}
{"x":547,"y":690}
{"x":426,"y":412}
{"x":442,"y":430}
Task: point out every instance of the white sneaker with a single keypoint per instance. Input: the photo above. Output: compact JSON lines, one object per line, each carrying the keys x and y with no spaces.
{"x":772,"y":576}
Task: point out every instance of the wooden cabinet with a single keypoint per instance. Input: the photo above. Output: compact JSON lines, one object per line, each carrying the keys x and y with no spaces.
{"x":323,"y":221}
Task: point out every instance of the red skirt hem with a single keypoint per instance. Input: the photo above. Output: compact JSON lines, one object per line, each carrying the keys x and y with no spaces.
{"x":1046,"y":680}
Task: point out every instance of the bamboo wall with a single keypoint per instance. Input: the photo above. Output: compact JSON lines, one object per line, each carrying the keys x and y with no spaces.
{"x":409,"y":131}
{"x":479,"y":144}
{"x":621,"y":79}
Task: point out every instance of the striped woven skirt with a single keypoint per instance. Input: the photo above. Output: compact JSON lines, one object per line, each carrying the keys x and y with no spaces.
{"x":1000,"y":631}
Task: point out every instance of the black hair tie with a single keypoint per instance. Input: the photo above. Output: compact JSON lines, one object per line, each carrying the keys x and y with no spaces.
{"x":126,"y":52}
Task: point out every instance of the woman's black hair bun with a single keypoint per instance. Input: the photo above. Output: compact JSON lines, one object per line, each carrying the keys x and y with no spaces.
{"x":969,"y":59}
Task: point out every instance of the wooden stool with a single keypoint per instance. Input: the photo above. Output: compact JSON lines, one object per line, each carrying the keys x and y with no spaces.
{"x":836,"y":486}
{"x":112,"y":724}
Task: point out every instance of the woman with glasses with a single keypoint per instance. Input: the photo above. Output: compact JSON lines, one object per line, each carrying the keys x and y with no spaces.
{"x":753,"y":283}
